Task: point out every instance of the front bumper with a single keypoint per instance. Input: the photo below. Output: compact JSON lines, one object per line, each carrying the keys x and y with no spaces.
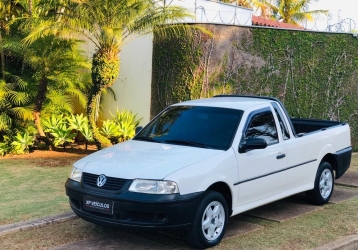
{"x":135,"y":210}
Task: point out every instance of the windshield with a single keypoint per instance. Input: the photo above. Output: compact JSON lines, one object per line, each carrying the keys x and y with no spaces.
{"x":207,"y":127}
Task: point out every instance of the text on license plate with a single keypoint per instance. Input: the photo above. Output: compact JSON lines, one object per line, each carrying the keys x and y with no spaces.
{"x":98,"y":205}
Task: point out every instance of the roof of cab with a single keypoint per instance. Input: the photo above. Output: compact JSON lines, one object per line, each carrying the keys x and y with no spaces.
{"x":233,"y":102}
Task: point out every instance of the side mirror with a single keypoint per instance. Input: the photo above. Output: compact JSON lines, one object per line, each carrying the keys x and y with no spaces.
{"x":252,"y":143}
{"x":137,"y":129}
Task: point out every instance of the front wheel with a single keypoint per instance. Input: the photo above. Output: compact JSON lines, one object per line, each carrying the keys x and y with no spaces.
{"x":323,"y":185}
{"x":210,"y":221}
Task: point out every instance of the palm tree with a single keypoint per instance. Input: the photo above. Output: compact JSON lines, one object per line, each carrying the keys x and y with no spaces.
{"x":293,"y":11}
{"x":107,"y":24}
{"x":57,"y":70}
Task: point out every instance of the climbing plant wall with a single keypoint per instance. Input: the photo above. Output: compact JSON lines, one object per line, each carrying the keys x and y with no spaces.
{"x":314,"y":74}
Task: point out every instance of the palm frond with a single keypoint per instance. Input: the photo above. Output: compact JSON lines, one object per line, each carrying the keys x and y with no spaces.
{"x":24,"y":113}
{"x":18,"y":98}
{"x":5,"y":121}
{"x":112,"y":92}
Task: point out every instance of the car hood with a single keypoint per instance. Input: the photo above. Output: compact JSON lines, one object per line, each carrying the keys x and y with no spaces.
{"x":143,"y":160}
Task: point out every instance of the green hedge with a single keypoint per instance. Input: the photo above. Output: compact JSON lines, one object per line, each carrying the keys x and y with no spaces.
{"x":315,"y":74}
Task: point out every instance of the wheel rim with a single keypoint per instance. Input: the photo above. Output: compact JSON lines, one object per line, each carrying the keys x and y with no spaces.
{"x":213,"y":220}
{"x":326,"y":183}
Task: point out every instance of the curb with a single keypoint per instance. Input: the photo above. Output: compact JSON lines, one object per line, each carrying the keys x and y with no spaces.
{"x":346,"y":243}
{"x":36,"y":223}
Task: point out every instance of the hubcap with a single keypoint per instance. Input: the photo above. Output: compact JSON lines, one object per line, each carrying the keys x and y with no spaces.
{"x":213,"y":220}
{"x":326,"y":183}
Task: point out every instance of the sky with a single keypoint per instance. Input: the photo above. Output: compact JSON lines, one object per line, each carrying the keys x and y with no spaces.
{"x":341,"y":9}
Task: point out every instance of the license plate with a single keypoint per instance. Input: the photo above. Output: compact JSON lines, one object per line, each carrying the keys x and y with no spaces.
{"x":98,"y":205}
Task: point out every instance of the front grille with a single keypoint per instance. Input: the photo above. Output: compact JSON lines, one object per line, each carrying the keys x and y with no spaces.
{"x":111,"y":183}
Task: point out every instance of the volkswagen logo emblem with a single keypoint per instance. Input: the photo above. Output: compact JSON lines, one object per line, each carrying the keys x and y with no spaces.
{"x":101,"y":180}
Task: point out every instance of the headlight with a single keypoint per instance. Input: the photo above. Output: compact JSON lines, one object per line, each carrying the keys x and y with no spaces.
{"x":75,"y":174}
{"x":154,"y":187}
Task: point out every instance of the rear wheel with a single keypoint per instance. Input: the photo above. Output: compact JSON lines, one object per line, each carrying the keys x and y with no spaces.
{"x":210,"y":221}
{"x":323,"y":185}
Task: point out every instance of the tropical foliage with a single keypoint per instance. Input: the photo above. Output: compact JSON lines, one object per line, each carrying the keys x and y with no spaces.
{"x":62,"y":135}
{"x":293,"y":11}
{"x":107,"y":25}
{"x":57,"y":67}
{"x":14,"y":103}
{"x":48,"y":76}
{"x":109,"y":130}
{"x":22,"y":142}
{"x":63,"y":130}
{"x":287,"y":11}
{"x":4,"y":148}
{"x":126,"y":123}
{"x":121,"y":126}
{"x":80,"y":124}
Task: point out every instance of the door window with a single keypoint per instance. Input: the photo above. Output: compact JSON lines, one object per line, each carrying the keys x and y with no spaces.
{"x":263,"y":125}
{"x":281,"y":120}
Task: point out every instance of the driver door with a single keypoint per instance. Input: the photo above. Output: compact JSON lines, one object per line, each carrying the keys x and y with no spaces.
{"x":262,"y":171}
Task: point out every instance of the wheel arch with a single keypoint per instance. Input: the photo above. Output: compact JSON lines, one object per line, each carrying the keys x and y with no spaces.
{"x":331,"y":160}
{"x":225,"y":191}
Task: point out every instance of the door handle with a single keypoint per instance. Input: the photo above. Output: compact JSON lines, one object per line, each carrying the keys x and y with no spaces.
{"x":280,"y":156}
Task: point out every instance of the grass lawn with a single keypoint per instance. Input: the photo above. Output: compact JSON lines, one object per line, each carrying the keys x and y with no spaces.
{"x":33,"y":187}
{"x":354,"y":163}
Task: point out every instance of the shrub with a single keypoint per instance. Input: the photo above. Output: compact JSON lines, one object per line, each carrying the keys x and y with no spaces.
{"x":62,"y":135}
{"x":87,"y":133}
{"x":22,"y":143}
{"x":76,"y":122}
{"x":110,"y":130}
{"x":127,"y":123}
{"x":4,"y":148}
{"x":53,"y":122}
{"x":57,"y":126}
{"x":80,"y":124}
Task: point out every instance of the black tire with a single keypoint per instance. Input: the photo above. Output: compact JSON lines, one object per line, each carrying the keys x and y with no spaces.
{"x":197,"y":236}
{"x":326,"y":187}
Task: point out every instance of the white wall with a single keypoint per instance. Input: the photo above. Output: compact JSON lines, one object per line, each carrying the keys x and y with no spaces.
{"x":133,"y":86}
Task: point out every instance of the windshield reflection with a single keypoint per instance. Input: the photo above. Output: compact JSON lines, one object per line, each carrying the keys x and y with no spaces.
{"x":206,"y":127}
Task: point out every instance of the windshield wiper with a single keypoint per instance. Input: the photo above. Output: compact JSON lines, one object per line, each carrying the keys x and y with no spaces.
{"x":145,"y":138}
{"x":187,"y":143}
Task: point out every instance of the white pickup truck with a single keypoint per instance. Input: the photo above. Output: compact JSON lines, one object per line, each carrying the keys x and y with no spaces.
{"x":199,"y":162}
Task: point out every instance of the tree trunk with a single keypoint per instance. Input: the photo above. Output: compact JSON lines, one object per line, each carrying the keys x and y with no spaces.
{"x":100,"y":140}
{"x":40,"y":99}
{"x":105,"y":68}
{"x":31,"y":6}
{"x":2,"y":56}
{"x":38,"y":124}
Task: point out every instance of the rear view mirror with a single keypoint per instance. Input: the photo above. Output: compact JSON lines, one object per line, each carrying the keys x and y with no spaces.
{"x":252,"y":143}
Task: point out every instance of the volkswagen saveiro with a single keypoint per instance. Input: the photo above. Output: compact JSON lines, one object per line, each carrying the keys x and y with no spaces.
{"x":199,"y":162}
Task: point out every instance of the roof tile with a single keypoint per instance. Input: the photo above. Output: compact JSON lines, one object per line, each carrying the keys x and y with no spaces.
{"x":261,"y":21}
